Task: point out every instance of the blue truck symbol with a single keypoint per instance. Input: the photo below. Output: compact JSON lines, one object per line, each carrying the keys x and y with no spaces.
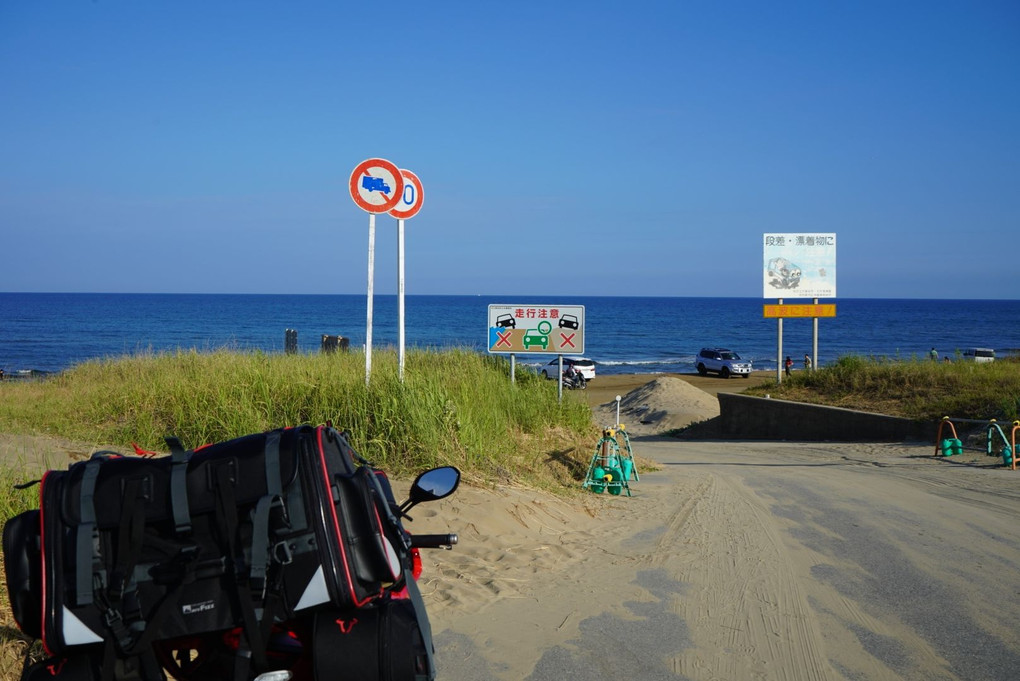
{"x":375,"y":184}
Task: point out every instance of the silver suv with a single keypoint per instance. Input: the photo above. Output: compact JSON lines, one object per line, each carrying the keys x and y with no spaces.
{"x":722,"y":361}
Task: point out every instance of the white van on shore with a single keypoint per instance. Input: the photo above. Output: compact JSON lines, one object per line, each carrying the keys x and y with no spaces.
{"x":979,"y":355}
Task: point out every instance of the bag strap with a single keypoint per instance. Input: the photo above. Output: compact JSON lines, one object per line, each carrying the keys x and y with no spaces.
{"x":130,"y":537}
{"x":179,"y":458}
{"x":274,"y":480}
{"x":252,"y":648}
{"x":85,"y":547}
{"x":260,"y":544}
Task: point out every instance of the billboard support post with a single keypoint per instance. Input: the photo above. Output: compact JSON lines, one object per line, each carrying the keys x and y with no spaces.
{"x":814,"y":344}
{"x":779,"y":348}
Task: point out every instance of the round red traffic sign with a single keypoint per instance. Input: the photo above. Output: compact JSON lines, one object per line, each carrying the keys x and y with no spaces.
{"x":411,"y":197}
{"x":376,"y":185}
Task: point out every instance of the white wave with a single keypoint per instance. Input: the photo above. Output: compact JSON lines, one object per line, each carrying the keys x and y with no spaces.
{"x":644,"y":362}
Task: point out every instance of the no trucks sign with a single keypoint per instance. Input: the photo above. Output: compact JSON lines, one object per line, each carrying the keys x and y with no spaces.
{"x":376,"y":185}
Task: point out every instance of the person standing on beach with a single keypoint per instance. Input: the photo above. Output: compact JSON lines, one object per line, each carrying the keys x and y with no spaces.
{"x":934,"y":354}
{"x":807,"y":362}
{"x":789,"y":365}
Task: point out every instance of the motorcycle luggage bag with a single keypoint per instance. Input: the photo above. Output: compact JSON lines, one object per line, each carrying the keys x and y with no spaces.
{"x":264,"y":526}
{"x":382,"y":642}
{"x":21,"y":568}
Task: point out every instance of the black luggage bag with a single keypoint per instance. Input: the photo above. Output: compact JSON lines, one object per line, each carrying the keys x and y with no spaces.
{"x":127,"y":551}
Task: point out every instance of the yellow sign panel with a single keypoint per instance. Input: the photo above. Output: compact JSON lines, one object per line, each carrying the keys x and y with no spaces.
{"x":773,"y":311}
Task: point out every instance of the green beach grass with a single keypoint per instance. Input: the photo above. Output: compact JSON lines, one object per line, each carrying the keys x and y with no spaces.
{"x":915,"y":388}
{"x":454,"y":407}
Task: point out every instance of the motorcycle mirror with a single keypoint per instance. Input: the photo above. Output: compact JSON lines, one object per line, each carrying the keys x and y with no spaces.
{"x":432,"y":485}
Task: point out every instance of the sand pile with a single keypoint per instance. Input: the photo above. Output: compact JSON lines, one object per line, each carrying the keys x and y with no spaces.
{"x":660,"y":405}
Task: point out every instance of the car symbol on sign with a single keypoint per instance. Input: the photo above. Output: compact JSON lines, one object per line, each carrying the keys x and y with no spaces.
{"x":375,"y":184}
{"x":569,"y":321}
{"x":506,"y":321}
{"x":535,"y":337}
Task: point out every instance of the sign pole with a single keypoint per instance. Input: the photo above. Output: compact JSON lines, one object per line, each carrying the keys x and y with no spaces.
{"x":376,"y":186}
{"x":409,"y":202}
{"x":814,"y":345}
{"x":559,"y":387}
{"x":513,"y":366}
{"x":371,"y":284}
{"x":779,"y":348}
{"x":400,"y":296}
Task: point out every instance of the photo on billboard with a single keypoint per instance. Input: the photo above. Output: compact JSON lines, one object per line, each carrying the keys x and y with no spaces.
{"x":800,"y":265}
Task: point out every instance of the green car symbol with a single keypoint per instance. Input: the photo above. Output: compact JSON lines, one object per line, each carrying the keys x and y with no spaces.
{"x":539,"y":336}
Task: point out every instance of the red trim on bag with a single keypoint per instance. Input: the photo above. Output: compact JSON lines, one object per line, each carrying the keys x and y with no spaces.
{"x":146,"y":453}
{"x":336,"y":522}
{"x":42,"y":562}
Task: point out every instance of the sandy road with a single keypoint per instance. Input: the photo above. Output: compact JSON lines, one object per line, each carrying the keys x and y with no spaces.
{"x":736,"y":561}
{"x":741,"y":561}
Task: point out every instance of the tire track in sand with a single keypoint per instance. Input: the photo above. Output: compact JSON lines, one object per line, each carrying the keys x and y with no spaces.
{"x":748,"y":616}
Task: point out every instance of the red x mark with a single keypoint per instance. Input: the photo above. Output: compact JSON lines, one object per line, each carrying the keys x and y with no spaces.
{"x":504,"y":338}
{"x":567,"y":340}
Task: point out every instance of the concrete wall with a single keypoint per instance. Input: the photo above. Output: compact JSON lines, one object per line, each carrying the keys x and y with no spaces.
{"x":770,"y":419}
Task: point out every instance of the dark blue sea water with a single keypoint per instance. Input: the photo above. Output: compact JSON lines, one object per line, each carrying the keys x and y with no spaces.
{"x":53,"y":331}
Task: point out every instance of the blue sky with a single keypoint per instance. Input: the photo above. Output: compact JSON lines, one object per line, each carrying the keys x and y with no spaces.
{"x":568,"y":148}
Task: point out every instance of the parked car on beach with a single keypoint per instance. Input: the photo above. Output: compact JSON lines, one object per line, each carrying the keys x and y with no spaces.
{"x":582,"y":365}
{"x":979,"y":355}
{"x":723,"y":362}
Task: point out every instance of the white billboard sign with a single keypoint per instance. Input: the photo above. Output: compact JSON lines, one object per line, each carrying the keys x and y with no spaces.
{"x":800,"y":265}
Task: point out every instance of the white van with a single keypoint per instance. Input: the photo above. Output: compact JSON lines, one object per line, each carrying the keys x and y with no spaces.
{"x":979,"y":355}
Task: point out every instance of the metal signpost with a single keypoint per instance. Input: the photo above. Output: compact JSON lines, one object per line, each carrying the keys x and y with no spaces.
{"x":536,"y":329}
{"x":411,"y":199}
{"x":799,"y":266}
{"x":376,"y":186}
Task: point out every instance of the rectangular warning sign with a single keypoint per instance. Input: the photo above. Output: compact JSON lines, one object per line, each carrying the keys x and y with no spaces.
{"x":549,"y":329}
{"x":825,"y":310}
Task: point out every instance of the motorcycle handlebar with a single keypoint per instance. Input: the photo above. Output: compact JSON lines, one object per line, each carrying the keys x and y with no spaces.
{"x":433,"y":541}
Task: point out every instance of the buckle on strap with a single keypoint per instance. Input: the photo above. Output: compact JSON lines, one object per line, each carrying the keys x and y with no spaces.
{"x":282,"y":553}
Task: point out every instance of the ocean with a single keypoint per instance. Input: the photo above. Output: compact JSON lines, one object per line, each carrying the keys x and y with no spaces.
{"x":51,"y":332}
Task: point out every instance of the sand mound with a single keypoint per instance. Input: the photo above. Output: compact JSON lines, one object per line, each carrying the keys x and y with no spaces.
{"x":660,"y":405}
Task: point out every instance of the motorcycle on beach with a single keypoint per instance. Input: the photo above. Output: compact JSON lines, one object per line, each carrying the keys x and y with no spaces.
{"x":331,"y":645}
{"x":278,"y":556}
{"x":574,"y":380}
